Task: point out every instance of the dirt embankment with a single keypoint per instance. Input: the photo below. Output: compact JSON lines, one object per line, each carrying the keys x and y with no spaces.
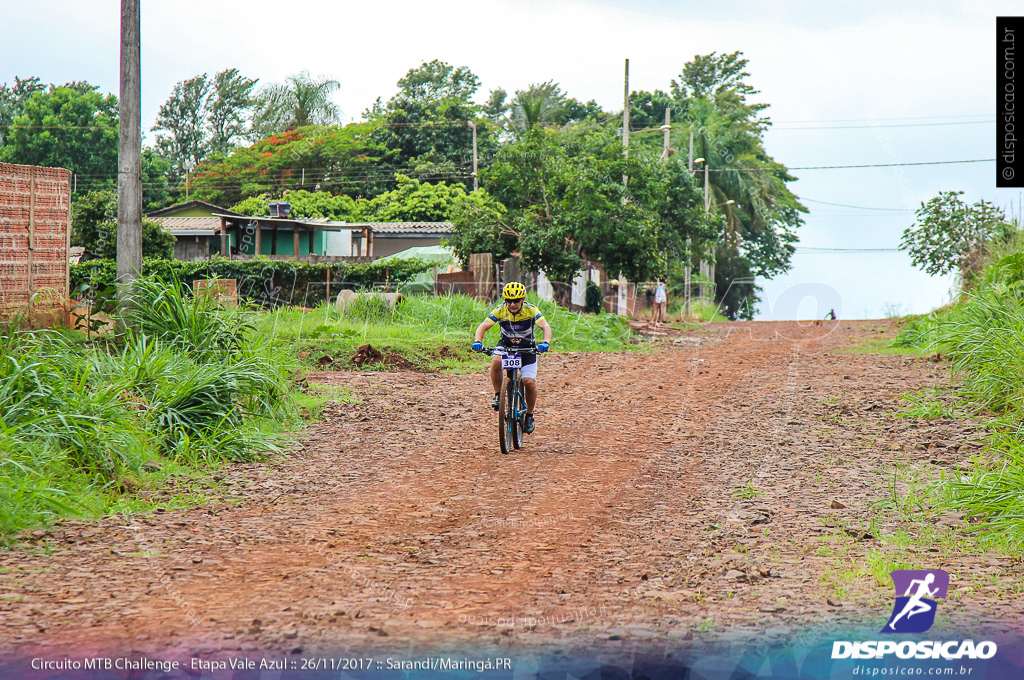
{"x":717,"y":486}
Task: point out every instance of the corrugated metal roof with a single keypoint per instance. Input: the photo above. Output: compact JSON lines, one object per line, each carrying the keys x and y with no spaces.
{"x":211,"y":225}
{"x":173,"y":224}
{"x":167,"y":212}
{"x":409,"y":227}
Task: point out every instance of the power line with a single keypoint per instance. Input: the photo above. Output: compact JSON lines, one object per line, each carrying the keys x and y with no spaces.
{"x":864,"y":120}
{"x":858,"y":207}
{"x":822,"y":251}
{"x":892,"y":165}
{"x":884,"y":125}
{"x":845,"y":167}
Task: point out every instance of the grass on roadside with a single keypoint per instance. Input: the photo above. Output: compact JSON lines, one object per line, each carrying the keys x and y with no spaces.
{"x":86,"y":424}
{"x":429,"y":333}
{"x":984,"y":338}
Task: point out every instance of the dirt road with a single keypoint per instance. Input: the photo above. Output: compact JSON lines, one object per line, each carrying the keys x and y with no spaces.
{"x":715,"y":487}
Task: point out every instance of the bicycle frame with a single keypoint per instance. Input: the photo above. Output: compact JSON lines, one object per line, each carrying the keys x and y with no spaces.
{"x":512,"y":404}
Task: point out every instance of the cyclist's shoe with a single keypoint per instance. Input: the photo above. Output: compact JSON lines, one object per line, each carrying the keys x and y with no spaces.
{"x":528,"y":424}
{"x":496,"y":404}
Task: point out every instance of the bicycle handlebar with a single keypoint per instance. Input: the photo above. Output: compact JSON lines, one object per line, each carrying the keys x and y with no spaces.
{"x":523,"y":350}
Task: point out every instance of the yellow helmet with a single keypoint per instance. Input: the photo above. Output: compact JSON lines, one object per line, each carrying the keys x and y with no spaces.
{"x":513,"y":290}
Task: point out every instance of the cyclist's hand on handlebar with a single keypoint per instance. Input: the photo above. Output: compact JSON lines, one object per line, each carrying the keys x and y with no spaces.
{"x":543,"y":347}
{"x":478,"y":346}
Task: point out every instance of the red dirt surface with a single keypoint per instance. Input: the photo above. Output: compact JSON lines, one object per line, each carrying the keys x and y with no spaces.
{"x":715,"y":487}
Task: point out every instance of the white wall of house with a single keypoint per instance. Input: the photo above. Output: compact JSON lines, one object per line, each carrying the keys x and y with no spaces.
{"x":339,"y":242}
{"x":545,"y":290}
{"x":579,"y":289}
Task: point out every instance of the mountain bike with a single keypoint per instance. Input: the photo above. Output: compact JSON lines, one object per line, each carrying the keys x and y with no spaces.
{"x":512,"y":403}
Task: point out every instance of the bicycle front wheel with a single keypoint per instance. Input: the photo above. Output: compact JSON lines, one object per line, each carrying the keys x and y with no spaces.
{"x":518,"y":411}
{"x":506,"y":420}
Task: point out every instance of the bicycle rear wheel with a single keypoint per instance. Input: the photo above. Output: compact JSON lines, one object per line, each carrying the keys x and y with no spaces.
{"x":506,"y":422}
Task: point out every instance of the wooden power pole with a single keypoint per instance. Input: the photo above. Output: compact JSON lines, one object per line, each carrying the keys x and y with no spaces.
{"x":667,"y":128}
{"x":625,"y":121}
{"x":476,"y":185}
{"x":129,"y":153}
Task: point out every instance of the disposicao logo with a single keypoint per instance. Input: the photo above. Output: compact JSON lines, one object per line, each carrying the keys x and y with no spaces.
{"x":916,"y":595}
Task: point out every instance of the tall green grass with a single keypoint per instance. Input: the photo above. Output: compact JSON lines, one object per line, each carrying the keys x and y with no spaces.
{"x":983,"y":335}
{"x":189,"y":383}
{"x":421,"y":325}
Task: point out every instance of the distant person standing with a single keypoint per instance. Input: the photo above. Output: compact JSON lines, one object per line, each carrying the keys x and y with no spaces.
{"x":660,"y":303}
{"x":831,"y":316}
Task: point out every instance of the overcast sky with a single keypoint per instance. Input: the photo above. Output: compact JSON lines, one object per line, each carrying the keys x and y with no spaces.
{"x":848,"y":83}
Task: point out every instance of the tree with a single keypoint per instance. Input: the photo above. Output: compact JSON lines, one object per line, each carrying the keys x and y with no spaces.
{"x":558,"y":198}
{"x":425,"y":126}
{"x":647,"y":110}
{"x":12,"y":101}
{"x":183,"y":116}
{"x":482,"y":226}
{"x":949,"y":235}
{"x":226,"y":107}
{"x":337,"y":160}
{"x":439,"y":82}
{"x":306,"y":204}
{"x":546,"y":104}
{"x":735,"y":290}
{"x":70,"y":126}
{"x":298,"y":102}
{"x":746,"y":186}
{"x":204,"y":117}
{"x":156,"y":191}
{"x":497,"y":105}
{"x":711,"y":76}
{"x":94,"y":226}
{"x":539,"y":105}
{"x":416,"y":201}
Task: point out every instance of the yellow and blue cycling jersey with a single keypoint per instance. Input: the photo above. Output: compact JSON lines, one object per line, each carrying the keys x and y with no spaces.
{"x":516,"y":329}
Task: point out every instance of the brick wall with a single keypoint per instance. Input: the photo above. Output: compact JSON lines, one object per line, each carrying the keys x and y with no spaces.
{"x":34,"y":239}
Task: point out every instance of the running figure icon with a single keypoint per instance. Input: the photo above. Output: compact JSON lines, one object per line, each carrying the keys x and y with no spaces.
{"x":914,"y":604}
{"x":917,"y":592}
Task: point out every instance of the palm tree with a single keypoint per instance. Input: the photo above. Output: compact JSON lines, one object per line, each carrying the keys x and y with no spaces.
{"x":540,"y":105}
{"x":300,"y":100}
{"x":745,"y":183}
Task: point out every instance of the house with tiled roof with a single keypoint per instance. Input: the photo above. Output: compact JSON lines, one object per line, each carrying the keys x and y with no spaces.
{"x":393,"y":237}
{"x":202,"y":230}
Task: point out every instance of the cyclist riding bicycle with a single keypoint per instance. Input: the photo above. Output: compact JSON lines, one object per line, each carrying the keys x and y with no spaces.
{"x":516,"y":318}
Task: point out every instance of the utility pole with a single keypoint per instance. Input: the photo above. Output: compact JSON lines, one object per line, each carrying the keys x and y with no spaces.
{"x":129,"y":153}
{"x":625,"y":122}
{"x":691,"y":152}
{"x":625,"y":115}
{"x":707,"y":192}
{"x":667,"y":128}
{"x":473,"y":125}
{"x":686,"y":282}
{"x":665,"y":153}
{"x":689,"y":252}
{"x":704,"y":264}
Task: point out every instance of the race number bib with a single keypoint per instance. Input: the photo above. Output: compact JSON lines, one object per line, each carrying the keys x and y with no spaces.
{"x":511,"y":361}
